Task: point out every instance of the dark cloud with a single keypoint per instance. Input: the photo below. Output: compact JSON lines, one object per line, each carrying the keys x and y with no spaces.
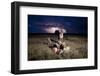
{"x":37,"y":23}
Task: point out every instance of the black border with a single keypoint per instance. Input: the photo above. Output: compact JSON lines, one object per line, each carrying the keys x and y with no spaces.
{"x":15,"y":33}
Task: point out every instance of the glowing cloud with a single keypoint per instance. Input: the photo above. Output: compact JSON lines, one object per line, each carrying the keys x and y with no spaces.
{"x":53,"y":29}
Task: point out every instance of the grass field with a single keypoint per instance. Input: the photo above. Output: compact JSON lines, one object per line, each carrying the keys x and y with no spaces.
{"x":76,"y":48}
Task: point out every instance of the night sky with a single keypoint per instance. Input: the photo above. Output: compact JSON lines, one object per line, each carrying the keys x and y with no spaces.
{"x":48,"y":24}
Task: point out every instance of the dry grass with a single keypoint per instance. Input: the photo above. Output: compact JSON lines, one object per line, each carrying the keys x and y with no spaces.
{"x":76,"y":47}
